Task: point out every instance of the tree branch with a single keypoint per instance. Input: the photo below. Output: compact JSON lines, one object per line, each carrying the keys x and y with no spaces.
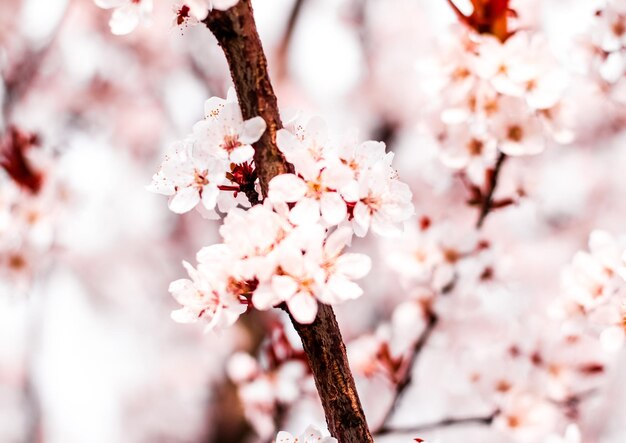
{"x":492,"y":183}
{"x":282,"y":51}
{"x":236,"y":33}
{"x":327,"y":357}
{"x":447,"y":422}
{"x":401,"y":386}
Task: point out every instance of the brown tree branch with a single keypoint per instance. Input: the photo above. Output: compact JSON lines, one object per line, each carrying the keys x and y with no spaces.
{"x":492,"y":183}
{"x":236,"y":33}
{"x":327,"y":357}
{"x":402,"y":385}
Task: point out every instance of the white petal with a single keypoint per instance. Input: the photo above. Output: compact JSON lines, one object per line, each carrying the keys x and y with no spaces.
{"x":286,"y":188}
{"x":334,"y":209}
{"x":198,"y":8}
{"x":317,"y":129}
{"x":337,"y":175}
{"x":184,"y":315}
{"x":353,"y":265}
{"x":287,"y":142}
{"x":253,"y":129}
{"x":344,"y":289}
{"x":242,"y":154}
{"x":305,"y":211}
{"x":209,"y":196}
{"x":303,"y":307}
{"x":108,"y":4}
{"x":223,"y":5}
{"x":284,"y":286}
{"x":362,"y":219}
{"x":264,"y":298}
{"x":184,"y":200}
{"x":124,"y":20}
{"x":284,"y":437}
{"x":337,"y":241}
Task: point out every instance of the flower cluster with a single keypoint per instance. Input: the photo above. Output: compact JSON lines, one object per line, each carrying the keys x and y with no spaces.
{"x":499,"y":96}
{"x":289,"y":250}
{"x":339,"y":184}
{"x":128,"y":14}
{"x":595,"y":287}
{"x":605,"y":42}
{"x":215,"y":158}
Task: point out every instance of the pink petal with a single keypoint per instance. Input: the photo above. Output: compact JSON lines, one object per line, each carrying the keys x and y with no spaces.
{"x":184,"y":200}
{"x":334,"y":209}
{"x":286,"y":188}
{"x":303,"y":307}
{"x":253,"y":129}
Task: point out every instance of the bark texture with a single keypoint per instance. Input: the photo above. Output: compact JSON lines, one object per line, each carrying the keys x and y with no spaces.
{"x":326,"y":352}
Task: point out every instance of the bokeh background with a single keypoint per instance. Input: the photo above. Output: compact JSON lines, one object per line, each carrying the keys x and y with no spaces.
{"x":88,"y":352}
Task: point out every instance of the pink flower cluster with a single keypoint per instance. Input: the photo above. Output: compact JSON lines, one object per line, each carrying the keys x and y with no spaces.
{"x":595,"y":288}
{"x":494,"y":96}
{"x":215,"y":157}
{"x":606,"y":41}
{"x":289,"y":250}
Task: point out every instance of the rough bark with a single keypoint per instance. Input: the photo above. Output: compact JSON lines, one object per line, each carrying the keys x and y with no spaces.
{"x":236,"y":33}
{"x":329,"y":363}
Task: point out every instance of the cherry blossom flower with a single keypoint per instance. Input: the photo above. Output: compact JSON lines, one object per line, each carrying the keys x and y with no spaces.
{"x":518,"y":130}
{"x":310,"y":435}
{"x":188,"y":180}
{"x":469,"y":149}
{"x":340,"y":181}
{"x":214,"y":164}
{"x":223,"y":133}
{"x":208,"y":295}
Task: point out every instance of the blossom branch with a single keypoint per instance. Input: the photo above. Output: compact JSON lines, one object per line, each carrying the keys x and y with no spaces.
{"x":447,"y":422}
{"x":492,"y":183}
{"x":236,"y":33}
{"x":402,"y":385}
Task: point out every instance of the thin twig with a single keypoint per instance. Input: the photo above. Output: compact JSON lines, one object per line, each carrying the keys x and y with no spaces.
{"x":492,"y":183}
{"x":447,"y":422}
{"x":402,"y":385}
{"x":282,"y":51}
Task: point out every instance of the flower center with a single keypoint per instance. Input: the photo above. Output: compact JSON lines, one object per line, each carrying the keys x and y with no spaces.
{"x":231,"y":142}
{"x":200,"y":178}
{"x":515,"y":133}
{"x":475,"y":147}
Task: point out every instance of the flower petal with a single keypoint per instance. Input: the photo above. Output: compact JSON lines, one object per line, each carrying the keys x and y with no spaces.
{"x":184,"y":200}
{"x":303,"y":307}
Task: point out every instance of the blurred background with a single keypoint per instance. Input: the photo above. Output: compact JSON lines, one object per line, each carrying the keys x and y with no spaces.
{"x":88,"y":352}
